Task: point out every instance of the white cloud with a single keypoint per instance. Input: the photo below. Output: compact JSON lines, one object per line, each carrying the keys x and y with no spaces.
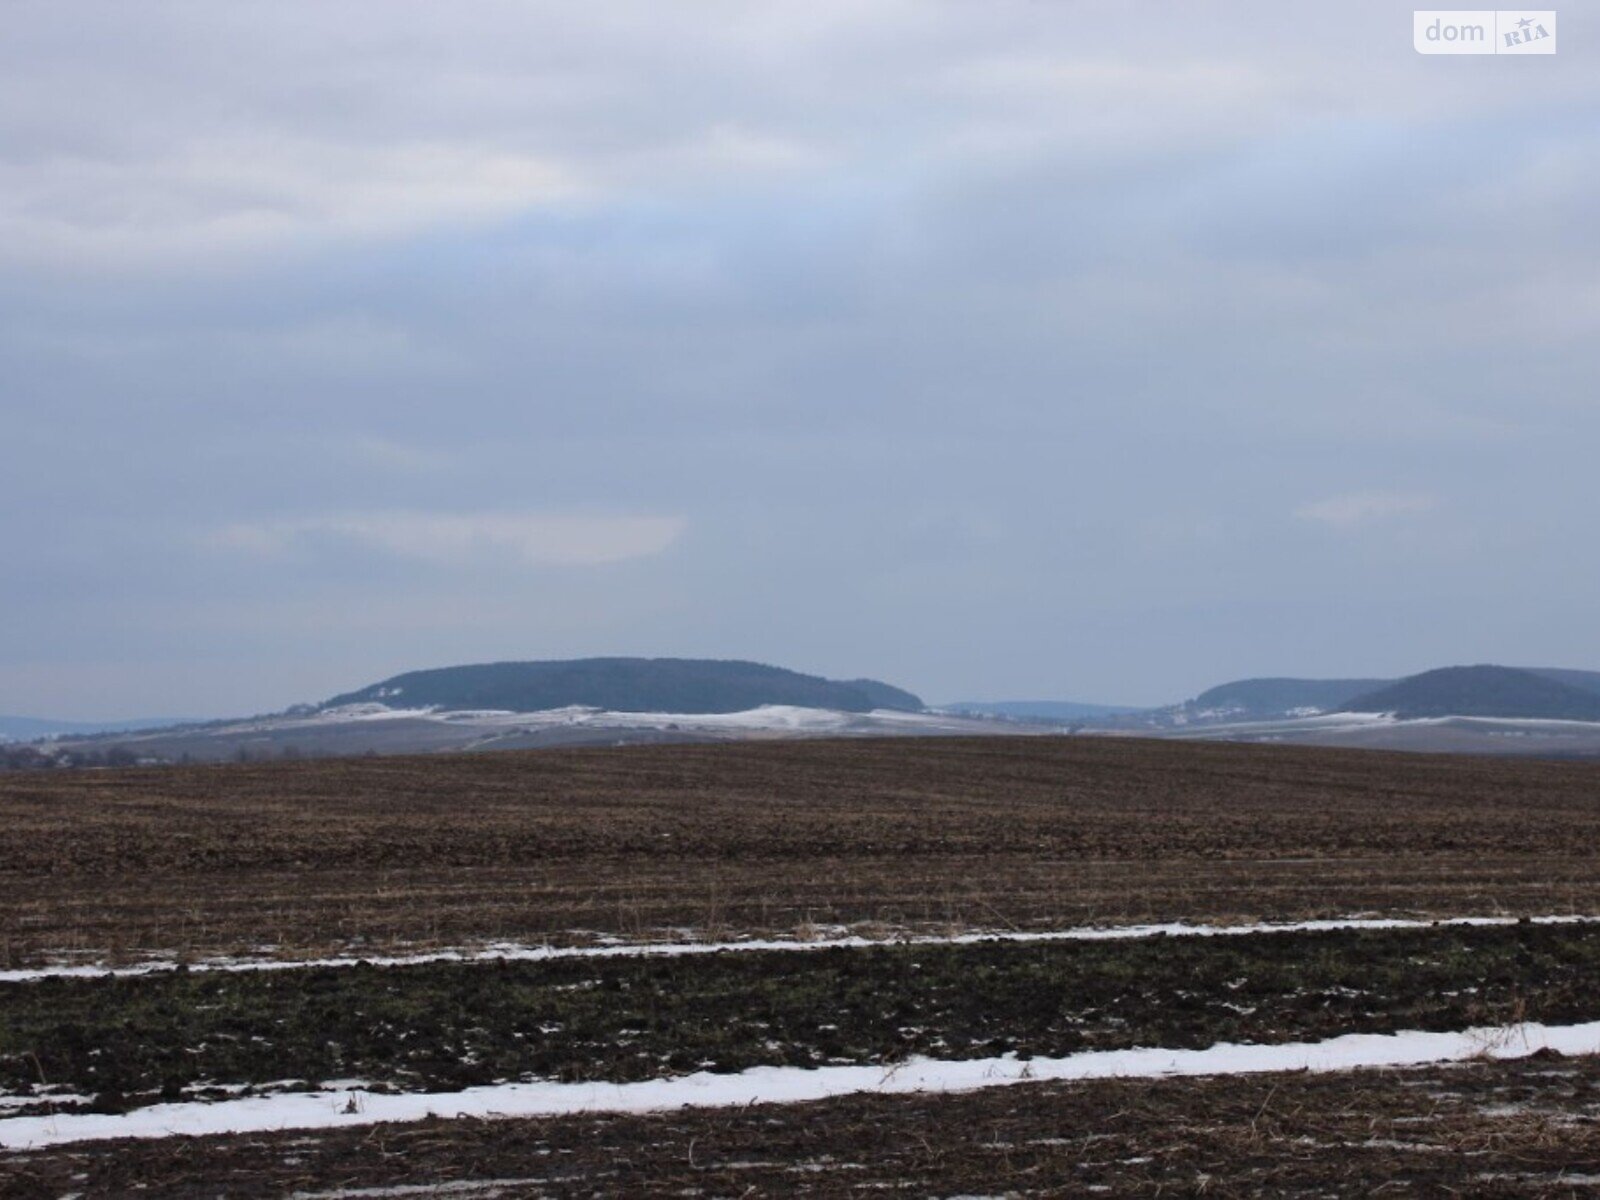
{"x":1362,"y":508}
{"x":456,"y":539}
{"x":260,"y":192}
{"x":724,"y":150}
{"x":391,"y":455}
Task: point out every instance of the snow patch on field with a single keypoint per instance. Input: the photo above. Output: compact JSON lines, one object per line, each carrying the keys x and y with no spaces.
{"x":788,"y":1085}
{"x":468,"y":1187}
{"x":771,"y":717}
{"x":518,"y":952}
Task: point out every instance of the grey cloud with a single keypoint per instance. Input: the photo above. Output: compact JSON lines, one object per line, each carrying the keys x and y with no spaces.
{"x":991,"y":348}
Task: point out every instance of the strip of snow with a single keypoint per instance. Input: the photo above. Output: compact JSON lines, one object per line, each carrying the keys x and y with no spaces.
{"x":1353,"y":722}
{"x":1554,"y":724}
{"x":365,"y":711}
{"x":772,"y":719}
{"x":462,"y":1187}
{"x":789,"y":1085}
{"x":518,"y":952}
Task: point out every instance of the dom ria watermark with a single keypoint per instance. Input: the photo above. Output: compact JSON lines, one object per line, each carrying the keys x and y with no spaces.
{"x":1484,"y":31}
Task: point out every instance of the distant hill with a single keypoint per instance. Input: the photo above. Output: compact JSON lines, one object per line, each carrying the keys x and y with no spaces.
{"x":1482,"y":691}
{"x":1588,"y":681}
{"x":27,"y":729}
{"x":673,"y":685}
{"x":1048,"y":710}
{"x":882,"y":695}
{"x":1263,"y":699}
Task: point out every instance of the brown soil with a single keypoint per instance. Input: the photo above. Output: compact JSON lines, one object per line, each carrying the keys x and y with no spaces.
{"x":770,"y":837}
{"x":1523,"y":1129}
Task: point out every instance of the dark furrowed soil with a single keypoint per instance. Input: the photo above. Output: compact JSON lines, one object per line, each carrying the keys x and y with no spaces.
{"x":1516,"y":1129}
{"x":996,"y":832}
{"x":131,"y":1041}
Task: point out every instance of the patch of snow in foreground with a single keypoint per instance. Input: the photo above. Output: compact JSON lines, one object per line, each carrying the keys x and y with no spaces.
{"x":517,"y":952}
{"x":788,"y":1085}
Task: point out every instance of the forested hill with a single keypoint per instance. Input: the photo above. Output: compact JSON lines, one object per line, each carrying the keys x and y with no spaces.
{"x":685,"y":685}
{"x":1481,"y":691}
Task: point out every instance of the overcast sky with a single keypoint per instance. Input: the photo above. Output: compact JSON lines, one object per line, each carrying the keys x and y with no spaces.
{"x":1036,"y":349}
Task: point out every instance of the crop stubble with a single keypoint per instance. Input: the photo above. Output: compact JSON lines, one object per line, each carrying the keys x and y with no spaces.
{"x":1526,"y":1128}
{"x":750,"y":838}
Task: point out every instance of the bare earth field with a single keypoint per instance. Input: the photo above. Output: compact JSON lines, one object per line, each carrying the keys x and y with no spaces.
{"x":604,"y":847}
{"x":1026,"y":833}
{"x":1529,"y":1128}
{"x":116,"y":1045}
